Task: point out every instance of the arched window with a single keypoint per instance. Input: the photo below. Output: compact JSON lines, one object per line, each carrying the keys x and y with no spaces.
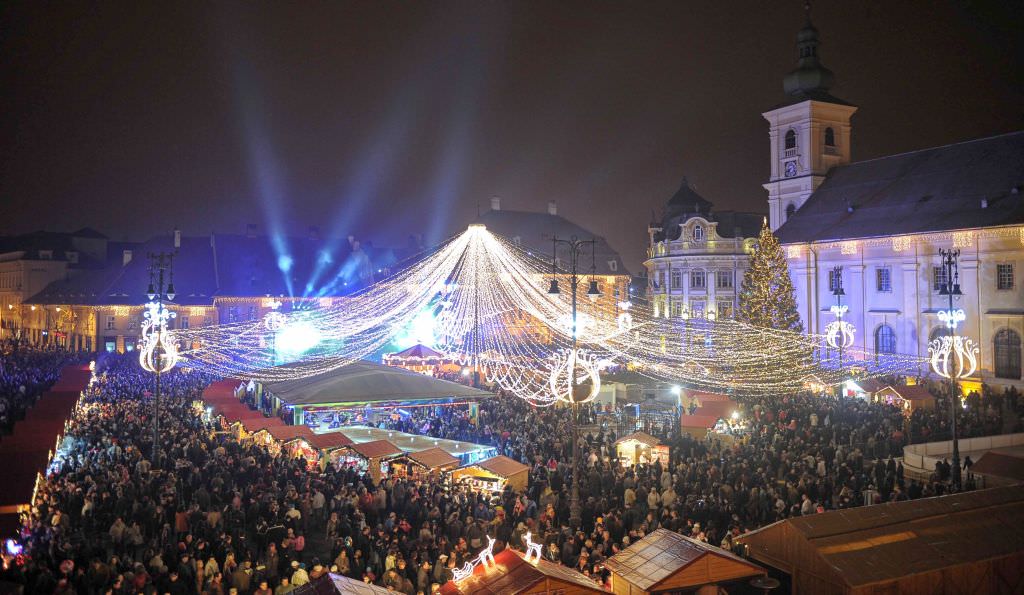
{"x":790,"y":209}
{"x":885,"y":340}
{"x":790,"y":139}
{"x":830,"y":137}
{"x":698,"y":233}
{"x":1007,"y":354}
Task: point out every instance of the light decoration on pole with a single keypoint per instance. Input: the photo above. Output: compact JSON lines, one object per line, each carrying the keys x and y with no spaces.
{"x":953,"y":356}
{"x":479,"y":284}
{"x":839,"y":333}
{"x":570,"y":370}
{"x":158,"y":351}
{"x":274,"y":319}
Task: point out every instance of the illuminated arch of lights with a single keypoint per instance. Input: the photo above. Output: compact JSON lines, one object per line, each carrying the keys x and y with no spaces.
{"x":491,"y":310}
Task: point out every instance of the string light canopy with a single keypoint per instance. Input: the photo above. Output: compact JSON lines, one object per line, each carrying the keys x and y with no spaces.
{"x":493,"y":309}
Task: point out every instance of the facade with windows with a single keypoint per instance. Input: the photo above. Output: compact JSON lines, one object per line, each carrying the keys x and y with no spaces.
{"x":696,"y":257}
{"x":884,"y":221}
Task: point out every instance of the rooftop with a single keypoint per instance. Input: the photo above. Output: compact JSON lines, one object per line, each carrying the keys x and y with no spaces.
{"x":967,"y":185}
{"x":663,"y":554}
{"x":874,"y":544}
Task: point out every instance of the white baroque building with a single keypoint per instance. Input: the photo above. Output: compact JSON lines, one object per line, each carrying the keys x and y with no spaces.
{"x":696,"y":257}
{"x":884,"y":221}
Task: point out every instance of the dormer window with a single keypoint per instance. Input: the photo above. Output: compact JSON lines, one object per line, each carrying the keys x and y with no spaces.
{"x":46,"y":255}
{"x":698,"y":233}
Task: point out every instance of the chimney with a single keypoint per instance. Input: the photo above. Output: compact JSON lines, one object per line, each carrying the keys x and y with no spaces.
{"x":250,"y":230}
{"x":314,"y":233}
{"x":177,"y":238}
{"x":126,"y":257}
{"x":495,"y":203}
{"x":552,"y":208}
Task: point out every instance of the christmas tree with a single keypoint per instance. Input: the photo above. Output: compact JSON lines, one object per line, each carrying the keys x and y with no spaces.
{"x":766,"y":296}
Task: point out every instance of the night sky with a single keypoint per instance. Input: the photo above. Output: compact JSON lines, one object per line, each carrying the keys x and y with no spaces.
{"x":381,"y":119}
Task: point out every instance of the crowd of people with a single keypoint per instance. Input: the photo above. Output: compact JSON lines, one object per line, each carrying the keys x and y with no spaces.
{"x":25,"y":374}
{"x":220,"y":515}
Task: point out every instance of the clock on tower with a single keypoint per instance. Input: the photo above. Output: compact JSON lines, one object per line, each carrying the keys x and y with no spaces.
{"x":790,"y":169}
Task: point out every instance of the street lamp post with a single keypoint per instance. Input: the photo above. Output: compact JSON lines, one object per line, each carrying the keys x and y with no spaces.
{"x":839,"y":293}
{"x":951,"y":288}
{"x":575,"y":247}
{"x":158,"y":353}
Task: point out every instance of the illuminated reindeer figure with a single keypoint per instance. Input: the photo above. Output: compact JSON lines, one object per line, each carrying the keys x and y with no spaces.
{"x":487,"y":556}
{"x":532,"y":548}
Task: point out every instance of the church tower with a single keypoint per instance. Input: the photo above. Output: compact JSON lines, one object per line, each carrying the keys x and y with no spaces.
{"x":810,"y":132}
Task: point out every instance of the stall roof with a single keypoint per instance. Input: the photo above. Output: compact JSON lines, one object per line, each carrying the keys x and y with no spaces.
{"x":434,"y":458}
{"x":255,"y":424}
{"x":414,"y":442}
{"x":664,"y":553}
{"x":512,"y":574}
{"x":288,"y":433}
{"x":998,"y":464}
{"x":367,"y":382}
{"x":376,"y":449}
{"x":417,"y":351}
{"x":335,"y":584}
{"x":871,"y":385}
{"x":502,"y":466}
{"x":917,"y":392}
{"x":873,"y":544}
{"x":643,"y":437}
{"x":329,"y":440}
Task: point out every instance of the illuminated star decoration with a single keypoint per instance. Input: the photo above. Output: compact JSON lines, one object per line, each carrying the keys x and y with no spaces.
{"x":839,"y":332}
{"x":489,"y":309}
{"x":952,"y":355}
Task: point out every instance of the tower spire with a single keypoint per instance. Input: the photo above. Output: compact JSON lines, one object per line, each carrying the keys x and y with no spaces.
{"x":810,"y":77}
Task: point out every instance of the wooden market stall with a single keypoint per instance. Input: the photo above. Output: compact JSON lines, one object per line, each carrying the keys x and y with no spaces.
{"x":907,"y":398}
{"x":639,"y":447}
{"x":666,"y":562}
{"x":964,"y":543}
{"x":863,"y":389}
{"x":373,"y":455}
{"x":331,"y":446}
{"x":814,"y":384}
{"x":293,"y":441}
{"x":432,"y":462}
{"x":249,"y":425}
{"x":511,"y":574}
{"x":493,"y":474}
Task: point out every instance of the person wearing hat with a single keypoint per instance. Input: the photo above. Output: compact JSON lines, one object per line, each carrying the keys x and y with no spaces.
{"x":299,"y":576}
